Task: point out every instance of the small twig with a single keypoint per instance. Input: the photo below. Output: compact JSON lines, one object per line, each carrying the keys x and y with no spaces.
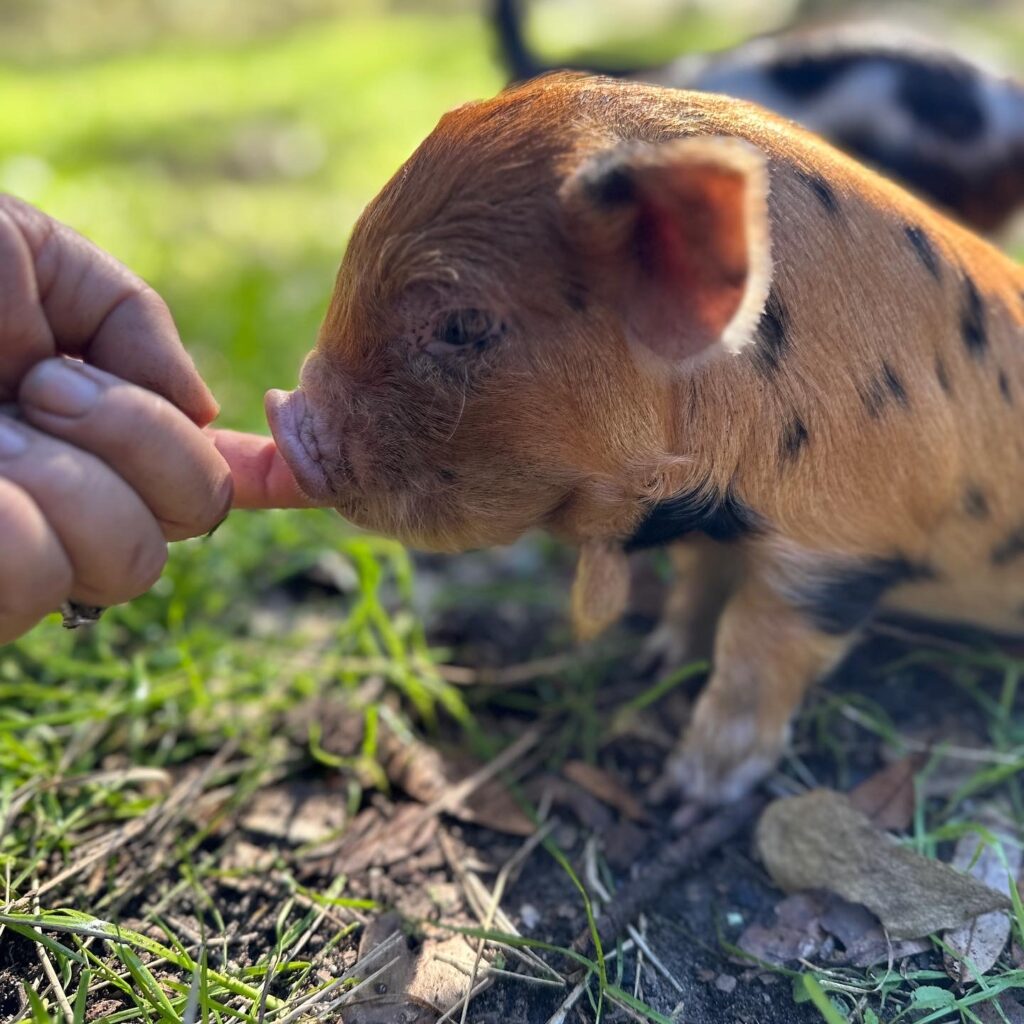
{"x":478,"y":897}
{"x":322,"y":1011}
{"x":975,"y":755}
{"x":670,"y":862}
{"x":455,"y":795}
{"x":562,"y":1013}
{"x":595,"y":884}
{"x":511,"y":675}
{"x":500,"y":883}
{"x":51,"y":976}
{"x":498,"y":972}
{"x":152,"y":823}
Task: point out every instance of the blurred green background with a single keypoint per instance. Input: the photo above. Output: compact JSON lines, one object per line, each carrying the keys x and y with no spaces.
{"x":223,"y":148}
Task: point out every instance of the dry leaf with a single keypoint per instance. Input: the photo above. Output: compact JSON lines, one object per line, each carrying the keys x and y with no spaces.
{"x":1013,"y":1011}
{"x":426,"y":774}
{"x":864,"y":940}
{"x":805,"y":920}
{"x":419,"y":986}
{"x":600,"y":784}
{"x":976,"y":946}
{"x":436,"y":981}
{"x":887,"y":797}
{"x":593,"y":815}
{"x":820,"y":841}
{"x":386,"y":1001}
{"x":372,"y":840}
{"x":796,"y":933}
{"x":295,"y":812}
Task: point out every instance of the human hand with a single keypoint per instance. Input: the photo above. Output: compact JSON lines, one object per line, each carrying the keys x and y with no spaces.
{"x":107,"y":461}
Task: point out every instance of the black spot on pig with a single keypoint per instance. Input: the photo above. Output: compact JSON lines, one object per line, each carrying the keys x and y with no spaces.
{"x":844,"y":599}
{"x":772,"y":335}
{"x":1004,"y":388}
{"x":925,"y":250}
{"x":973,"y":326}
{"x":793,"y":439}
{"x":608,"y":183}
{"x":975,"y":503}
{"x":718,"y":515}
{"x":885,"y":387}
{"x":1010,"y":548}
{"x":822,"y":190}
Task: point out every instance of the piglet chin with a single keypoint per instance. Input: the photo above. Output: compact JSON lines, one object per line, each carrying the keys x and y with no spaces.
{"x":287,"y":416}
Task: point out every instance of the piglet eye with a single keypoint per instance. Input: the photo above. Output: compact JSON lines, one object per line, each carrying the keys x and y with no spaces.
{"x":466,"y":329}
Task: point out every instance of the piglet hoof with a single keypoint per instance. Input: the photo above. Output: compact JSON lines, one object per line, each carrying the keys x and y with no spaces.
{"x":665,"y":649}
{"x":719,"y":766}
{"x":665,"y":791}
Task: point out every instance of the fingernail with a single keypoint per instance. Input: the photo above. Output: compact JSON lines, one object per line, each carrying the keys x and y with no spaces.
{"x":12,"y":441}
{"x":58,"y":387}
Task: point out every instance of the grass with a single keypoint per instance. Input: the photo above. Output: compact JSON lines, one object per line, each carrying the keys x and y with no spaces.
{"x":228,"y":169}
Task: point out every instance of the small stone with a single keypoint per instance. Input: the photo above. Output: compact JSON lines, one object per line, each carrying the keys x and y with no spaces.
{"x":725,"y":983}
{"x":529,"y":916}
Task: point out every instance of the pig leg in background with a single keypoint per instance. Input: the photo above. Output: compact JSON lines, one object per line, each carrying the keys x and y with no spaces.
{"x":767,"y":655}
{"x":704,"y":574}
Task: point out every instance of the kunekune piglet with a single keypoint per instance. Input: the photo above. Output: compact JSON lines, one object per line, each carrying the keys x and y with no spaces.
{"x":636,"y":316}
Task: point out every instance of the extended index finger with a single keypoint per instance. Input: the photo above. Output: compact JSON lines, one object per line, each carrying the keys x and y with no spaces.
{"x":261,"y":477}
{"x":101,"y":312}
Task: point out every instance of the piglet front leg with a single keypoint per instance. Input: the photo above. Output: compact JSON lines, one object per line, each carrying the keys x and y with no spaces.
{"x":766,"y":656}
{"x":704,"y":573}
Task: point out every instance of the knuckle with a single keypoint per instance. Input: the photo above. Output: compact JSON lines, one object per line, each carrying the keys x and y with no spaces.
{"x":50,"y":588}
{"x":146,"y":300}
{"x":209,"y":511}
{"x":24,"y":225}
{"x":220,"y":500}
{"x":51,"y":583}
{"x":35,"y":574}
{"x":11,"y":207}
{"x":13,"y":242}
{"x":143,"y":566}
{"x":148,"y":564}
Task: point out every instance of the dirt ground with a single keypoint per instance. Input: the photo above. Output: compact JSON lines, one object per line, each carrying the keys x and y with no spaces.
{"x":399,"y":853}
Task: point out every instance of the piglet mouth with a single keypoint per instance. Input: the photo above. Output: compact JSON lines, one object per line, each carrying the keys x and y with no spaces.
{"x":291,"y":424}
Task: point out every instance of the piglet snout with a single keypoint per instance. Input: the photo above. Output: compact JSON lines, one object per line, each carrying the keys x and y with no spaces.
{"x":291,"y":424}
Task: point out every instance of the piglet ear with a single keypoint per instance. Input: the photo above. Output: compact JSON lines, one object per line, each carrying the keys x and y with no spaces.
{"x":675,"y":235}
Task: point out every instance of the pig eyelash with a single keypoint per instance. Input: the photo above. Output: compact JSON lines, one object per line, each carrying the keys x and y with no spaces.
{"x":465,"y":331}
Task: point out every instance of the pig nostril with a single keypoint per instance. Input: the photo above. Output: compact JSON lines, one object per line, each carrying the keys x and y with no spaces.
{"x":288,"y":416}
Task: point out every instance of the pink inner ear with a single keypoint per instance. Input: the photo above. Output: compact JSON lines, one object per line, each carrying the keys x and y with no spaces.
{"x":692,"y":253}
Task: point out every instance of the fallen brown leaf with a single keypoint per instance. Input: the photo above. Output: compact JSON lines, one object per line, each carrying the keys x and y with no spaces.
{"x":295,"y":812}
{"x":864,"y":940}
{"x":373,"y":840}
{"x":600,"y":784}
{"x":427,"y":773}
{"x":805,"y":920}
{"x":795,"y":934}
{"x":976,"y":946}
{"x":887,"y":797}
{"x":421,"y":985}
{"x":1013,"y":1011}
{"x":820,"y":841}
